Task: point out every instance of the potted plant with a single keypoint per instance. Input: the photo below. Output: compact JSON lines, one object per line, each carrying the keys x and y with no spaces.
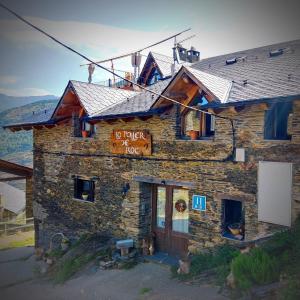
{"x":84,"y":133}
{"x":235,"y":228}
{"x":85,"y":195}
{"x":193,"y":134}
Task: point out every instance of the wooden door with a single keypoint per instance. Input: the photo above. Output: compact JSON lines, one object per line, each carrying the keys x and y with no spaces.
{"x":171,"y":219}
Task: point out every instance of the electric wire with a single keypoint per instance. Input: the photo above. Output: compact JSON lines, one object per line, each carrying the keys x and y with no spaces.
{"x":121,"y":77}
{"x":140,"y":50}
{"x":104,"y":68}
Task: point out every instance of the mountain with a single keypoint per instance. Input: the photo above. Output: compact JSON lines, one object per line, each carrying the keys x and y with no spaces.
{"x":8,"y":102}
{"x":17,"y":146}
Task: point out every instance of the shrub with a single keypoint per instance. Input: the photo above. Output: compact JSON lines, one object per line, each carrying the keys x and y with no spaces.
{"x":257,"y":267}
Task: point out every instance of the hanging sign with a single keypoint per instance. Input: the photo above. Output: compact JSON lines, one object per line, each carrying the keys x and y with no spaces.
{"x":199,"y":202}
{"x":132,"y":142}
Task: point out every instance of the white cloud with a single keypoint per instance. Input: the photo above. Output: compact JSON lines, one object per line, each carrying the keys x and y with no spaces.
{"x":24,"y":92}
{"x":8,"y":79}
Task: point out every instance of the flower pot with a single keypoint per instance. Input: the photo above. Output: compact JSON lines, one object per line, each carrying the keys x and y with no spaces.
{"x":193,"y":134}
{"x":84,"y":133}
{"x":235,"y":228}
{"x":84,"y":196}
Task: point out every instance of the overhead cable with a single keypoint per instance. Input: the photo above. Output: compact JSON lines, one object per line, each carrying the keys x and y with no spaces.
{"x":106,"y":69}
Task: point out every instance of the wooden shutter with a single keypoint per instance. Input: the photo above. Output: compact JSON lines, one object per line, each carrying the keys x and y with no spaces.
{"x":268,"y":130}
{"x":275,"y":192}
{"x":282,"y":114}
{"x":76,"y":126}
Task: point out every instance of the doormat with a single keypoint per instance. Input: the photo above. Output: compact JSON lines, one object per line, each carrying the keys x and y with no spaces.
{"x":162,"y":258}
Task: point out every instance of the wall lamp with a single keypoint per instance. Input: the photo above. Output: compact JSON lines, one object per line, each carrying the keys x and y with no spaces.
{"x":125,"y":189}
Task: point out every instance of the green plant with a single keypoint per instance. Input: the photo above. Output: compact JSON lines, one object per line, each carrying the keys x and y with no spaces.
{"x":56,"y":253}
{"x":145,"y":290}
{"x":127,"y":265}
{"x":218,"y":260}
{"x":292,"y":290}
{"x":69,"y":267}
{"x":257,"y":267}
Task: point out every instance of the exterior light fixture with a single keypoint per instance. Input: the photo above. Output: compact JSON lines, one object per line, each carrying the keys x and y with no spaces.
{"x":125,"y":189}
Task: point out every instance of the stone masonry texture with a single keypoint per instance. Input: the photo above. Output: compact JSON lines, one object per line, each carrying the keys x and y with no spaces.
{"x":58,"y":156}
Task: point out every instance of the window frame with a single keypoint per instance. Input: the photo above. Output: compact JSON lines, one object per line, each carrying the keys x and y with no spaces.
{"x":204,"y":133}
{"x":78,"y":189}
{"x":273,"y":121}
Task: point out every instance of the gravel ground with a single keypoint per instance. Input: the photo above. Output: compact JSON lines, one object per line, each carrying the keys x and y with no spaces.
{"x":146,"y":281}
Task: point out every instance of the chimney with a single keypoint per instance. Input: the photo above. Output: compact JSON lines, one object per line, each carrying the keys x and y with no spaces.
{"x":193,"y":55}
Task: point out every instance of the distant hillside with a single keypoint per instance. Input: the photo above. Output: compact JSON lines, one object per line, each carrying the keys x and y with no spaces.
{"x":17,"y":146}
{"x":7,"y":102}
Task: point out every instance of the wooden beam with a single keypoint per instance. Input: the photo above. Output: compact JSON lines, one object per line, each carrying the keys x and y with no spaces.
{"x":215,"y":111}
{"x":126,"y":120}
{"x":177,"y":96}
{"x":232,"y":109}
{"x":263,"y":106}
{"x":145,"y":118}
{"x":15,"y":169}
{"x":110,"y":121}
{"x":12,"y":178}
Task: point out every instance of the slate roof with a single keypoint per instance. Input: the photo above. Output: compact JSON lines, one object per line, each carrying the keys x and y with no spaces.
{"x":13,"y":198}
{"x":95,"y":97}
{"x":267,"y":77}
{"x":218,"y":86}
{"x":38,"y":117}
{"x":139,"y":103}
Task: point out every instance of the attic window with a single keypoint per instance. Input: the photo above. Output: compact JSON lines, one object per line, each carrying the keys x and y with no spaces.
{"x":196,"y":124}
{"x":231,"y":61}
{"x":82,"y":128}
{"x":276,"y":52}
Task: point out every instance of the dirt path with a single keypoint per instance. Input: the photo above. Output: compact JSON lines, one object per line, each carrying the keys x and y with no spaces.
{"x":146,"y":281}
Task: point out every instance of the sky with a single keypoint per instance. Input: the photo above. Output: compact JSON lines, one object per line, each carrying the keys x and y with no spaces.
{"x":33,"y":65}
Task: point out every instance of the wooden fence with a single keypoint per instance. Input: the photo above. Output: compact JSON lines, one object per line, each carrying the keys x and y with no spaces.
{"x":11,"y":227}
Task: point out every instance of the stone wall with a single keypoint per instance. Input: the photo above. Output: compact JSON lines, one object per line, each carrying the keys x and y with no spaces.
{"x":206,"y":163}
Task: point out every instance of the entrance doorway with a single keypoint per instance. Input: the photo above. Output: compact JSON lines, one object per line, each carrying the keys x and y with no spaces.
{"x":170,"y":219}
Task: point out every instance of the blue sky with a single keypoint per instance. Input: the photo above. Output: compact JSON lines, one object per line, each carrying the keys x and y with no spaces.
{"x":33,"y":65}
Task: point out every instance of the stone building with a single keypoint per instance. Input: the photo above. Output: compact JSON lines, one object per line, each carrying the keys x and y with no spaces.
{"x":215,"y":160}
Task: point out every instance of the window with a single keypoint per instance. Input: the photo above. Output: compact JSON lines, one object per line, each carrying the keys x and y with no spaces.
{"x":197,"y":125}
{"x":82,"y":128}
{"x":84,"y":189}
{"x":153,"y":77}
{"x":233,"y":219}
{"x":276,"y":121}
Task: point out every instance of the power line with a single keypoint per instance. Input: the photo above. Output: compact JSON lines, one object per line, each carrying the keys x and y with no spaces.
{"x":104,"y":68}
{"x":140,"y":50}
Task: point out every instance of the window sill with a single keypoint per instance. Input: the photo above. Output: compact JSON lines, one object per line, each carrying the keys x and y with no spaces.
{"x":83,"y":201}
{"x":279,"y":141}
{"x":208,"y":139}
{"x":230,"y":237}
{"x":84,"y":138}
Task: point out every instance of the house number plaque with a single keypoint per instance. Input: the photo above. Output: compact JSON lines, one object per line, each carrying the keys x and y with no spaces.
{"x":132,"y":142}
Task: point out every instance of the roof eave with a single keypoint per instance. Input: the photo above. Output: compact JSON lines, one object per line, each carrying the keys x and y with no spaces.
{"x":252,"y":101}
{"x":126,"y":115}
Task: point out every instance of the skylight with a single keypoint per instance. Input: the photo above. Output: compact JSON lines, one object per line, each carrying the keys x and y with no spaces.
{"x":231,"y":61}
{"x":276,"y":52}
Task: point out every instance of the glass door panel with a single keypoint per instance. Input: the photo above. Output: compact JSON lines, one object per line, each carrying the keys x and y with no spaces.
{"x":180,"y":215}
{"x":161,"y":207}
